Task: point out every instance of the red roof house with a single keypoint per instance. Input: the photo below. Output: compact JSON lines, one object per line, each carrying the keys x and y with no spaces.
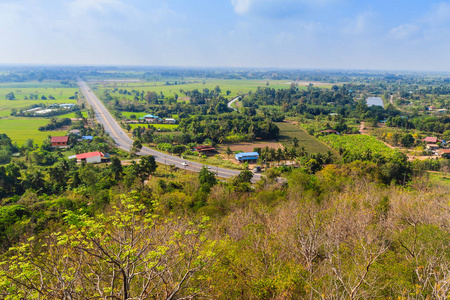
{"x":59,"y":141}
{"x":204,"y":149}
{"x":430,"y":140}
{"x":90,"y":157}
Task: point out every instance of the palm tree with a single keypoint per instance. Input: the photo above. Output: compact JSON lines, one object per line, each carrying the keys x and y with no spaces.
{"x":329,"y":158}
{"x":295,"y":141}
{"x":272,"y":154}
{"x":303,"y":152}
{"x":285,"y":154}
{"x":292,"y":153}
{"x":279,"y":155}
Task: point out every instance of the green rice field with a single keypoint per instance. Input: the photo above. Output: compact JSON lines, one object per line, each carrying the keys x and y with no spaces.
{"x":288,"y":131}
{"x":166,"y":126}
{"x":24,"y":89}
{"x":19,"y":129}
{"x":358,"y":144}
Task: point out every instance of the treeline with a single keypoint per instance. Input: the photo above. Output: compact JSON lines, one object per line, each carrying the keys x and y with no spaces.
{"x":216,"y":129}
{"x":22,"y":74}
{"x":422,"y":123}
{"x":313,"y":102}
{"x":55,"y":124}
{"x":223,"y":127}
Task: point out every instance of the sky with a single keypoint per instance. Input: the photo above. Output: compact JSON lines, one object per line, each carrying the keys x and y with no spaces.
{"x":304,"y":34}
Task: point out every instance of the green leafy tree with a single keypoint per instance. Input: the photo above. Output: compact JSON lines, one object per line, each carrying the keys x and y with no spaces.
{"x":407,"y":140}
{"x":313,"y":166}
{"x":116,"y":168}
{"x":146,"y":167}
{"x":10,"y":96}
{"x":124,"y":253}
{"x":207,"y":179}
{"x":178,"y":149}
{"x":137,"y":146}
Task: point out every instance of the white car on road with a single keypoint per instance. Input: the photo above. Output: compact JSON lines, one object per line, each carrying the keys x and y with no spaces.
{"x":184,"y":164}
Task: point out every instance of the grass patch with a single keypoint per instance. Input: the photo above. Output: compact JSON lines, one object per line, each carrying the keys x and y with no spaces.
{"x":127,"y":114}
{"x":21,"y":129}
{"x":214,"y":161}
{"x":165,"y":126}
{"x":288,"y":131}
{"x":72,"y":115}
{"x":439,"y":178}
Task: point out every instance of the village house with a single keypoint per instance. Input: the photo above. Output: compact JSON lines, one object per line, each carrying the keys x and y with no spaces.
{"x":205,"y":149}
{"x":90,"y":157}
{"x":432,"y":147}
{"x":247,"y":157}
{"x":151,"y":119}
{"x":75,"y":131}
{"x":87,"y":138}
{"x":430,"y":140}
{"x":59,"y":141}
{"x":67,"y":105}
{"x":170,"y":121}
{"x":445,"y":153}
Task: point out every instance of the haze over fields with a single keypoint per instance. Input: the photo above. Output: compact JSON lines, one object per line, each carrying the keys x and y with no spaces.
{"x":382,"y":34}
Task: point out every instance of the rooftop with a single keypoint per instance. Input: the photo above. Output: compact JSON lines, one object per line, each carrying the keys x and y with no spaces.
{"x":204,"y":148}
{"x":59,"y":139}
{"x":151,"y":116}
{"x":431,"y":139}
{"x":89,"y":154}
{"x":245,"y":154}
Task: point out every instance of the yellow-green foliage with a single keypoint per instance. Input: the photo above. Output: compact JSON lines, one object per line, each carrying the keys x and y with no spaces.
{"x":339,"y":232}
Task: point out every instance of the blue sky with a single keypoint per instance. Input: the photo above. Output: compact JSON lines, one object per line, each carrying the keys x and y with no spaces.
{"x":343,"y":34}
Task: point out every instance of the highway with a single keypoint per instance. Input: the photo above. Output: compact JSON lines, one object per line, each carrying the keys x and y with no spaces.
{"x":124,"y":142}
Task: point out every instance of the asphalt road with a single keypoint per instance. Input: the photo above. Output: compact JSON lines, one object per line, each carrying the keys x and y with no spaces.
{"x":124,"y":142}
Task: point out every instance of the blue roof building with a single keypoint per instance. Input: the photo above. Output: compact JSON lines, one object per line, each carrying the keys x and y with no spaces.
{"x":87,"y":137}
{"x":247,"y":156}
{"x":151,"y":118}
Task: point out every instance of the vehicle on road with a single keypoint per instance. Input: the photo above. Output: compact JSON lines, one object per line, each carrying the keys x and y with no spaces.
{"x":184,"y":164}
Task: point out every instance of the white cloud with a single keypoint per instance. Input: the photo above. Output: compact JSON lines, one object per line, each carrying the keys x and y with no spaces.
{"x":102,"y":6}
{"x":404,"y":31}
{"x":439,"y":13}
{"x":359,"y":25}
{"x":241,"y":7}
